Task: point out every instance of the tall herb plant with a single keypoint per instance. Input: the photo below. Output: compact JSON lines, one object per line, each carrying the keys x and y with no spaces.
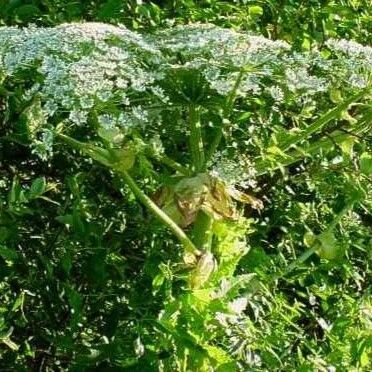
{"x":189,"y":121}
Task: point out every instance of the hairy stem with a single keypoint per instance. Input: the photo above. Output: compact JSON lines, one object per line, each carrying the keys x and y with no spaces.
{"x":202,"y":232}
{"x":170,"y":163}
{"x":321,"y":121}
{"x":202,"y":229}
{"x":324,"y":144}
{"x":163,"y":217}
{"x":196,"y":140}
{"x":227,"y":112}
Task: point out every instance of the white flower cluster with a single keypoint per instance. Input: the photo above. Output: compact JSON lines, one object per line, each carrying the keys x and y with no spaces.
{"x":355,"y":63}
{"x":352,"y":49}
{"x":78,"y":67}
{"x":276,"y":93}
{"x":220,"y":54}
{"x":299,"y":79}
{"x":209,"y":43}
{"x":235,"y":171}
{"x":111,"y":77}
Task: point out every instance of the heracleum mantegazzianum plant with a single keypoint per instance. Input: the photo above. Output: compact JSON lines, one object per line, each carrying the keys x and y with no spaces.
{"x":182,"y":99}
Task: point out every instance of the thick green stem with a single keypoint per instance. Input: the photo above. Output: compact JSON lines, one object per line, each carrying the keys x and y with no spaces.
{"x":202,"y":232}
{"x":170,"y":163}
{"x":163,"y":217}
{"x":196,"y":139}
{"x":174,"y":165}
{"x":325,"y":144}
{"x":304,"y":256}
{"x":233,"y":93}
{"x":226,"y":113}
{"x":321,"y":122}
{"x":103,"y":156}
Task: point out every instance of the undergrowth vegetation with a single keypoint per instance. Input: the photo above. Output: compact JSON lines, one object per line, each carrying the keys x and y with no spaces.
{"x":190,"y":198}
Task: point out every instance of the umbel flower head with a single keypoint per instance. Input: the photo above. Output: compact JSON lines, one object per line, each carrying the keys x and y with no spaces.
{"x":107,"y":76}
{"x":77,"y":66}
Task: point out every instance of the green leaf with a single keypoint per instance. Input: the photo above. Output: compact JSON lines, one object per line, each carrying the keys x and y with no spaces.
{"x":27,"y":12}
{"x":8,"y":254}
{"x":66,"y":262}
{"x":34,"y":118}
{"x":306,"y":44}
{"x":323,"y":145}
{"x":19,"y":302}
{"x":37,"y":188}
{"x":74,"y":298}
{"x":5,"y":339}
{"x":275,"y":150}
{"x":109,"y":10}
{"x":365,"y":163}
{"x":255,"y":10}
{"x":158,"y":281}
{"x":15,"y":195}
{"x":4,"y":233}
{"x":329,"y":248}
{"x":78,"y":223}
{"x":227,"y":367}
{"x":309,"y":239}
{"x":218,"y":354}
{"x":335,"y":95}
{"x":66,"y":219}
{"x":347,"y":146}
{"x":111,"y":135}
{"x":202,"y":295}
{"x":8,"y":342}
{"x":364,"y":359}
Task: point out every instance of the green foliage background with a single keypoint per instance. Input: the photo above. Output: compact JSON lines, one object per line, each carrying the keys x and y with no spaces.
{"x":302,"y":22}
{"x":76,"y":274}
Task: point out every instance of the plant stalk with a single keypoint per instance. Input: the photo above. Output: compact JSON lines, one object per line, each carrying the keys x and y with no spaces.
{"x":321,"y":121}
{"x":325,"y":144}
{"x":170,"y":163}
{"x":202,"y":231}
{"x":196,"y":140}
{"x":226,"y":113}
{"x":162,"y":216}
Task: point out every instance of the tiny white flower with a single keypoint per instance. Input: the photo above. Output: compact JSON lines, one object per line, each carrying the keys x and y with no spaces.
{"x":139,"y":113}
{"x":78,"y":117}
{"x":121,"y":83}
{"x":107,"y":121}
{"x":253,"y":359}
{"x":222,"y":319}
{"x":277,"y":93}
{"x":312,"y":300}
{"x":104,"y":96}
{"x":324,"y":325}
{"x":139,"y":348}
{"x":238,"y":305}
{"x":50,"y":108}
{"x":86,"y":102}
